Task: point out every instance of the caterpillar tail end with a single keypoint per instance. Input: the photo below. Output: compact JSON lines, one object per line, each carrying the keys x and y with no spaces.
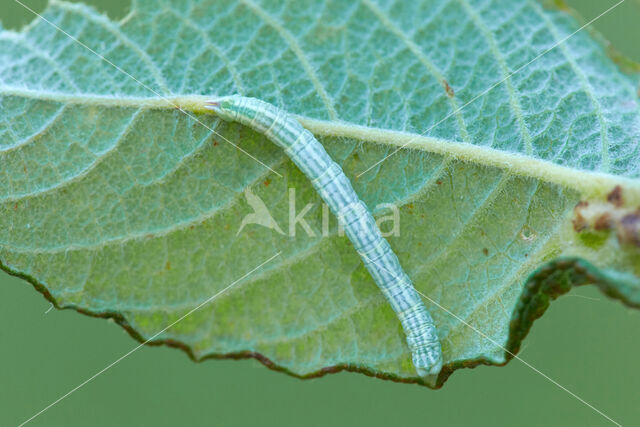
{"x":428,"y":362}
{"x":431,"y":371}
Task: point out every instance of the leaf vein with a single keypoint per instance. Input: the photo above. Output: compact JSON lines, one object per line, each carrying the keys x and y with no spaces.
{"x":120,"y":36}
{"x":424,"y":60}
{"x":297,"y":50}
{"x":495,"y":51}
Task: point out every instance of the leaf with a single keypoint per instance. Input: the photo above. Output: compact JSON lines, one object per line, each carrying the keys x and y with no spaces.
{"x":116,"y":204}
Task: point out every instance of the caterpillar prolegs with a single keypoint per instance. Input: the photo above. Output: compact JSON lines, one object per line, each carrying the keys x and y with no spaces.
{"x":336,"y":190}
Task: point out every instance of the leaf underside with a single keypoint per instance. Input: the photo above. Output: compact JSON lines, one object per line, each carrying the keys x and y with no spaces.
{"x":116,"y":204}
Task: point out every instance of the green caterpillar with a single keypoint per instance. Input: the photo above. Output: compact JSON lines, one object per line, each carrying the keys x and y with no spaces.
{"x":336,"y":190}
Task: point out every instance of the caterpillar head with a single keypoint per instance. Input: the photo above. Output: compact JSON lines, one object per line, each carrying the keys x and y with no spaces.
{"x":224,"y":107}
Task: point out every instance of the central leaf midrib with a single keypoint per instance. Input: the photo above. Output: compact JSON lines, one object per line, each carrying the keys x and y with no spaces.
{"x":590,"y":184}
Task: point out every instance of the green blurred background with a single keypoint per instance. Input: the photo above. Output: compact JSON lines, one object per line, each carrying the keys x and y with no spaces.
{"x":586,"y":342}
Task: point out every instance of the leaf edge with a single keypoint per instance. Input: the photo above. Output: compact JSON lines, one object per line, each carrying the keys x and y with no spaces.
{"x":545,"y":284}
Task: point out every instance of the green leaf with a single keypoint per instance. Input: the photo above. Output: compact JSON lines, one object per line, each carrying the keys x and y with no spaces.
{"x":115,"y":203}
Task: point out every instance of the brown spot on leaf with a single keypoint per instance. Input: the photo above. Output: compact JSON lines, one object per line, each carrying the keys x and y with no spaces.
{"x":579,"y":222}
{"x":603,"y":222}
{"x":615,"y":197}
{"x":600,"y":216}
{"x":410,"y":205}
{"x":24,"y":168}
{"x":448,"y":89}
{"x":485,"y":251}
{"x":629,"y":230}
{"x":215,"y":143}
{"x":15,"y":207}
{"x":267,"y":182}
{"x":439,"y":182}
{"x":168,"y":266}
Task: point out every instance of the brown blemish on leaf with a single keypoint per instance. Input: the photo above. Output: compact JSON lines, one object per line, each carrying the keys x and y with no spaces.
{"x":579,"y":222}
{"x":485,"y":251}
{"x":267,"y":182}
{"x":615,"y":197}
{"x":603,"y":222}
{"x":629,"y":230}
{"x":168,"y":266}
{"x":215,"y":143}
{"x":448,"y":89}
{"x":600,"y":216}
{"x":439,"y":182}
{"x":15,"y":207}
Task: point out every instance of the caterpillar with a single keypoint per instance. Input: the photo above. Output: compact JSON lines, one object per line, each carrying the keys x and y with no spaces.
{"x":336,"y":190}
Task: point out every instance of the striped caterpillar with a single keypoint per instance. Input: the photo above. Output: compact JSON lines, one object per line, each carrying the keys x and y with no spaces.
{"x":360,"y":227}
